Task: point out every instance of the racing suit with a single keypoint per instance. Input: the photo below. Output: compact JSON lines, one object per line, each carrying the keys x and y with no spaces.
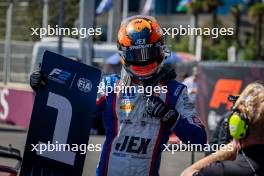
{"x":134,"y":140}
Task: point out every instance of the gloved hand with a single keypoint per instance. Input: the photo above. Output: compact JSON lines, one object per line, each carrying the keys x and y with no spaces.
{"x":38,"y":80}
{"x":157,"y":108}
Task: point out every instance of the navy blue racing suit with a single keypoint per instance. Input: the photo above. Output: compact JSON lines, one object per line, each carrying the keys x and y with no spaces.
{"x":135,"y":140}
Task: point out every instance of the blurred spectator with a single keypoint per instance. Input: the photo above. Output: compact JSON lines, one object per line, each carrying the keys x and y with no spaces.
{"x":185,"y":75}
{"x":191,"y":83}
{"x":220,"y":134}
{"x":246,"y":127}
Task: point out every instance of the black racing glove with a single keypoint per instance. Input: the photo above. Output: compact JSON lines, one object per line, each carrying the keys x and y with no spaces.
{"x":38,"y":80}
{"x":157,"y":108}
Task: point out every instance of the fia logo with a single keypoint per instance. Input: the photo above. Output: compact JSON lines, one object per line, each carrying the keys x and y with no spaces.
{"x":84,"y":85}
{"x":60,"y":76}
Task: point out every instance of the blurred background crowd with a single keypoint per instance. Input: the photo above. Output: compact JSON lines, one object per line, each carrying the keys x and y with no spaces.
{"x":245,"y":16}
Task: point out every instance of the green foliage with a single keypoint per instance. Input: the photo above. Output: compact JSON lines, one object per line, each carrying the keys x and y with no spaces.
{"x":27,"y":14}
{"x":256,"y":13}
{"x":237,"y":9}
{"x":71,"y":12}
{"x":34,"y":14}
{"x":210,"y":52}
{"x":2,"y":19}
{"x":256,"y":10}
{"x":196,"y":7}
{"x":249,"y":52}
{"x":181,"y":44}
{"x":218,"y":51}
{"x":211,"y":5}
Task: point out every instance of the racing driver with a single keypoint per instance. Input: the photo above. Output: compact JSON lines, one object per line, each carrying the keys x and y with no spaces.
{"x":138,"y":126}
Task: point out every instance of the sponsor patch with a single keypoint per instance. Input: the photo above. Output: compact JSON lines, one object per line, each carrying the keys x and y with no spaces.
{"x":127,"y":107}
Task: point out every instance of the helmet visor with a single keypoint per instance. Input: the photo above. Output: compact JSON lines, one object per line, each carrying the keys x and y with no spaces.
{"x":143,"y":71}
{"x":142,"y":55}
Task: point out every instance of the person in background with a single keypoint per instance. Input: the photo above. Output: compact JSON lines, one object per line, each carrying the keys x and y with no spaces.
{"x":246,"y":124}
{"x":220,"y":134}
{"x":191,"y":83}
{"x":184,"y":76}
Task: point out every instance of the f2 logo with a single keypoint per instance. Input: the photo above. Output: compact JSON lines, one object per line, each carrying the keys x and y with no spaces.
{"x":61,"y":74}
{"x":61,"y":128}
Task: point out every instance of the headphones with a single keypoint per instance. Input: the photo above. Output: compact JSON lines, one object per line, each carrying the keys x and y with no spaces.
{"x":238,"y":125}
